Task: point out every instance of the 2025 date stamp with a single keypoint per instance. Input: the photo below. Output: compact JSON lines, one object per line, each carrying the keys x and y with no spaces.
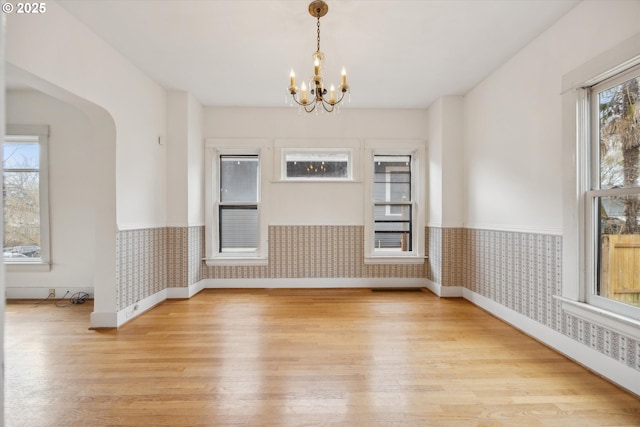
{"x":27,"y":8}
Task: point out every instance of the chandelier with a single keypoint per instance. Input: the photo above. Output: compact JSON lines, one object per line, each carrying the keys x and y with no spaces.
{"x":317,"y":93}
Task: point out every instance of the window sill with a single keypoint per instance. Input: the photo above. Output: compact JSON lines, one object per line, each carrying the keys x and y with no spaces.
{"x":12,"y":267}
{"x":623,"y":325}
{"x":410,"y":259}
{"x":231,"y":261}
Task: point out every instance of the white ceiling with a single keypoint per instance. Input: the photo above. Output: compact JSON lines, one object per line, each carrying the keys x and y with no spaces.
{"x":398,"y":54}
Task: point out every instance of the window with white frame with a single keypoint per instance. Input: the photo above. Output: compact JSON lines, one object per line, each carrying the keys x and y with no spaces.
{"x":394,"y":219}
{"x":236,"y":232}
{"x":238,"y":204}
{"x":25,"y":195}
{"x":392,"y":204}
{"x":313,"y":164}
{"x":613,"y":197}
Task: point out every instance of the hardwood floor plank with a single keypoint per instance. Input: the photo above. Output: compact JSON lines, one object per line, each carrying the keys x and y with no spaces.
{"x":291,"y":357}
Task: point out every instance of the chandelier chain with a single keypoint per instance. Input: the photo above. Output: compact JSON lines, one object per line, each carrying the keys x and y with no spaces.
{"x":318,"y":49}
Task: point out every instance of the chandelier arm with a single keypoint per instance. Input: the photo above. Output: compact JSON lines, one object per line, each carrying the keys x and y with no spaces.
{"x":305,"y":105}
{"x":313,"y":106}
{"x":328,"y":110}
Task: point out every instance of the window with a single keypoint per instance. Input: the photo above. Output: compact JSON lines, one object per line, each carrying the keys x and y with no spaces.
{"x":394,"y":219}
{"x":393,"y":204}
{"x":613,"y":199}
{"x":25,"y":195}
{"x":235,"y":226}
{"x":317,"y":165}
{"x":238,"y":205}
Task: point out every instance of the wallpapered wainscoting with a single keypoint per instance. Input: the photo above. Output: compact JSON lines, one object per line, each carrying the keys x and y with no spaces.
{"x":152,"y":259}
{"x":521,"y":271}
{"x":316,"y":252}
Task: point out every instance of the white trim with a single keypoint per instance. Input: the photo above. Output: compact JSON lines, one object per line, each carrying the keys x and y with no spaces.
{"x":231,"y":261}
{"x":185,"y":292}
{"x":103,"y":320}
{"x":444,"y":291}
{"x":616,"y":60}
{"x":315,"y":283}
{"x":140,"y":226}
{"x":553,"y":231}
{"x":136,"y":309}
{"x":591,"y":359}
{"x":399,"y":259}
{"x":607,"y":319}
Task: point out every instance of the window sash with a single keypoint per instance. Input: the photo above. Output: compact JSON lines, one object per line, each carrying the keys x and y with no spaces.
{"x":238,"y":205}
{"x":393,"y":232}
{"x":393,"y":205}
{"x":35,"y":249}
{"x":599,"y":285}
{"x":238,"y":228}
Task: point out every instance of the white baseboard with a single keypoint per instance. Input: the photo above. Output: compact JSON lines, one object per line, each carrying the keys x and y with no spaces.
{"x":115,"y":320}
{"x":316,"y":283}
{"x":137,"y":308}
{"x":103,"y":320}
{"x":444,"y":291}
{"x":593,"y":360}
{"x":179,"y":292}
{"x":42,"y":292}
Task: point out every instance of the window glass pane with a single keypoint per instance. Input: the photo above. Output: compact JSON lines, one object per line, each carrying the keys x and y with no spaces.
{"x":392,"y":227}
{"x":238,"y":228}
{"x":238,"y":178}
{"x":20,"y":155}
{"x":21,"y":214}
{"x":619,"y":249}
{"x":317,"y":165}
{"x":392,"y":178}
{"x":619,"y":135}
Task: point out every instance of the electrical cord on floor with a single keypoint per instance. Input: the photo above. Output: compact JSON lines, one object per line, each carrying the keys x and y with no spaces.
{"x":77,"y":298}
{"x":44,"y":300}
{"x":57,"y":303}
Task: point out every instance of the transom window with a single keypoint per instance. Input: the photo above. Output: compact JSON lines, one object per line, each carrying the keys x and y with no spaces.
{"x":316,"y":165}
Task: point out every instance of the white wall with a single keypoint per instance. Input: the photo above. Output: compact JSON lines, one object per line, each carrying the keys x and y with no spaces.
{"x":434,"y":144}
{"x":513,"y":120}
{"x":62,"y":51}
{"x":195,"y":172}
{"x":315,"y":203}
{"x":446,"y":181}
{"x":60,"y":56}
{"x":71,"y":192}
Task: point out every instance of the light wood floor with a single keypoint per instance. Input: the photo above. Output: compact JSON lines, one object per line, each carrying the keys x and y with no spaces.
{"x":296,"y":358}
